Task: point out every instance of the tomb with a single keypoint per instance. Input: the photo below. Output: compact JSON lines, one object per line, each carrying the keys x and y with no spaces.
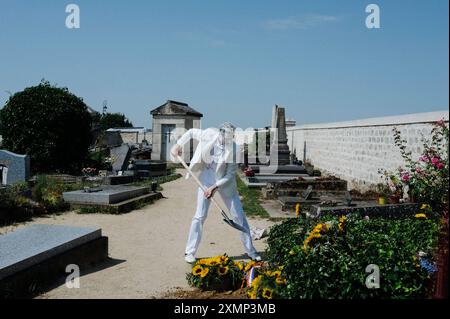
{"x":35,"y":257}
{"x":112,"y":198}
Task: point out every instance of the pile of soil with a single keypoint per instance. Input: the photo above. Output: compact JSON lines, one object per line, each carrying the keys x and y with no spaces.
{"x":180,"y":293}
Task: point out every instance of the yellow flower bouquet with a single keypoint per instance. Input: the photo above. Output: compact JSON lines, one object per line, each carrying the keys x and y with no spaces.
{"x":218,"y":273}
{"x":268,"y":283}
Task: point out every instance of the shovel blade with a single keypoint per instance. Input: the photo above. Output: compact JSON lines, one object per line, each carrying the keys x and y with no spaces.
{"x":234,"y":225}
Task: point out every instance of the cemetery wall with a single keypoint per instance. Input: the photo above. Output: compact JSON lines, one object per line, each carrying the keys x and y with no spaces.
{"x":356,"y":150}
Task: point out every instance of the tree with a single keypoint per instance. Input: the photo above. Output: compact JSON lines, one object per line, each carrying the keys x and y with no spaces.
{"x":50,"y":124}
{"x":112,"y":120}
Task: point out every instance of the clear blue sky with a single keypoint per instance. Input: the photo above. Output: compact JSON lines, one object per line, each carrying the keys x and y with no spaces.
{"x":233,"y":60}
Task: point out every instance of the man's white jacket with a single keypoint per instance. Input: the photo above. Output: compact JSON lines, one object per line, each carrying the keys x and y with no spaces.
{"x":226,"y":166}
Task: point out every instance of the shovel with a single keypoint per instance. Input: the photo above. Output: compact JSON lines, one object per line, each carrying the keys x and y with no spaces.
{"x":226,"y":219}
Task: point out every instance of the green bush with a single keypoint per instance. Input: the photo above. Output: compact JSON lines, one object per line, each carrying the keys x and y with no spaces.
{"x":14,"y":206}
{"x":50,"y":124}
{"x":327,"y":258}
{"x":48,"y":192}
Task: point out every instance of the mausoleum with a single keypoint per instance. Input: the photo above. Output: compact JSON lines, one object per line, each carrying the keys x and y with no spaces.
{"x":170,"y":121}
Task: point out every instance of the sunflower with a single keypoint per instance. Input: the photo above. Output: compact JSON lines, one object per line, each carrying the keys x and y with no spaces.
{"x":276,"y":273}
{"x":267,"y":293}
{"x":197,"y":270}
{"x":421,"y":216}
{"x":249,"y":266}
{"x":297,"y":210}
{"x":425,"y":207}
{"x":252,"y":294}
{"x":239,"y":265}
{"x":280,"y":281}
{"x":222,"y":259}
{"x":256,"y":282}
{"x":204,"y":272}
{"x":223,"y":270}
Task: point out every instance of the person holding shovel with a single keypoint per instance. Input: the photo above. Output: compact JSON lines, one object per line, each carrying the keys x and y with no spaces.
{"x":214,"y":162}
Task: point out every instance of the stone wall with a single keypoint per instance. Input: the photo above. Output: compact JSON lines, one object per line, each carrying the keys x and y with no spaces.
{"x":356,"y":150}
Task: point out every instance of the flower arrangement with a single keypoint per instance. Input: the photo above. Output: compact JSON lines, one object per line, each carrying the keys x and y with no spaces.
{"x":89,"y":171}
{"x":216,"y":273}
{"x":268,"y":284}
{"x":427,"y":178}
{"x":249,"y":172}
{"x":316,"y":233}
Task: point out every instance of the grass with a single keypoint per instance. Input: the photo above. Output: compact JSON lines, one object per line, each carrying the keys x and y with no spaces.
{"x":251,"y":200}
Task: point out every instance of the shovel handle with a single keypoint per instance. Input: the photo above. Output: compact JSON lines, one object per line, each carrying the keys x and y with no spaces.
{"x":197,"y":180}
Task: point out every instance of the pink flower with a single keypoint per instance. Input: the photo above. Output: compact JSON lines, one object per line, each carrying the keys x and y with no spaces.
{"x":424,"y":158}
{"x":440,"y":166}
{"x":406,"y":177}
{"x":440,"y":123}
{"x":435,"y":160}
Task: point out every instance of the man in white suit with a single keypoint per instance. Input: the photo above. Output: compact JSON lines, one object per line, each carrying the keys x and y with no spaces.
{"x":215,"y":161}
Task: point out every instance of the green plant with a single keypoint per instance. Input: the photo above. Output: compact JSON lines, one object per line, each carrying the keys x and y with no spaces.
{"x":333,"y":264}
{"x":112,"y":120}
{"x":50,"y":124}
{"x":49,"y":191}
{"x":14,"y":206}
{"x":217,"y":273}
{"x":428,"y":176}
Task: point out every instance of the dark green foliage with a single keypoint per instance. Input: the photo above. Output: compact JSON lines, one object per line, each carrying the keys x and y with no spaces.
{"x":334,"y":265}
{"x":49,"y":191}
{"x":50,"y":124}
{"x":113,"y":120}
{"x":14,"y":206}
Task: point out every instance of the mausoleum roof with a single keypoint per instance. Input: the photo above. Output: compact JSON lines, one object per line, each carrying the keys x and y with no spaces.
{"x":175,"y":108}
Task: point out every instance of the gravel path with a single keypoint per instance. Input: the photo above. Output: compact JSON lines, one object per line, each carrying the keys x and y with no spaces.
{"x":146,"y":246}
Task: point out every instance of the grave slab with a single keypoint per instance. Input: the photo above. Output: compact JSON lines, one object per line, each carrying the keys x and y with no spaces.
{"x":110,"y":194}
{"x":32,"y":245}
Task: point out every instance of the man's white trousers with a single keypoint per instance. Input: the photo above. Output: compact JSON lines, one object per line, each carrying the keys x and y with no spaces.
{"x":234,"y":206}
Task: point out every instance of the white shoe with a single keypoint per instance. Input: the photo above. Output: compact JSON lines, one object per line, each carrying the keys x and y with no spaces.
{"x":256,"y":258}
{"x":190,"y":259}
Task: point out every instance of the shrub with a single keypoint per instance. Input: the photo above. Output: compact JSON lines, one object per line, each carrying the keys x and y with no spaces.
{"x":14,"y":206}
{"x":428,"y":176}
{"x":50,"y":124}
{"x":327,"y":258}
{"x":217,"y":273}
{"x":49,"y":191}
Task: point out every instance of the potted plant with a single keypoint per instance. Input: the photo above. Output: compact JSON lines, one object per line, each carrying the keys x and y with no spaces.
{"x":383,"y":192}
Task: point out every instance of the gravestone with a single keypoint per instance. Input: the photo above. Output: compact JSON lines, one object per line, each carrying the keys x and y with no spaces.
{"x":279,"y":150}
{"x":14,"y":168}
{"x":121,"y":157}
